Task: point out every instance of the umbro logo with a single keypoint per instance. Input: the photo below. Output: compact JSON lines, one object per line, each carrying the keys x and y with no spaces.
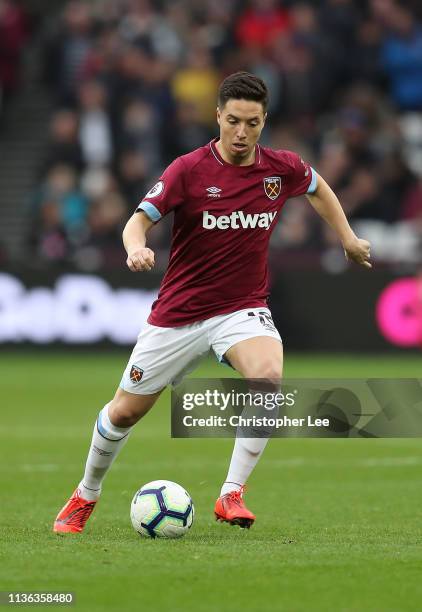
{"x":101,"y":451}
{"x":305,"y":166}
{"x":213,"y":192}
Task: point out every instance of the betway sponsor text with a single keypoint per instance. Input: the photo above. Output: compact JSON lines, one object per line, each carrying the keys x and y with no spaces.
{"x":237,"y":220}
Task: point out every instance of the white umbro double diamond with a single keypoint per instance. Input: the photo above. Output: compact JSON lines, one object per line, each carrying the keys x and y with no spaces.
{"x":213,"y":192}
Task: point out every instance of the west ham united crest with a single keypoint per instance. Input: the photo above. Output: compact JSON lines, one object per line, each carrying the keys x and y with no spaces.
{"x":136,"y":374}
{"x":272,"y":187}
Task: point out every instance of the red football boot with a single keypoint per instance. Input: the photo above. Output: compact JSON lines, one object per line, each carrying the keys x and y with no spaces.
{"x":230,"y":508}
{"x":73,"y":516}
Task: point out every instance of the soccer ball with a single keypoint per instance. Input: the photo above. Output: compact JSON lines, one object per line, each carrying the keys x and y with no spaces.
{"x":162,"y":509}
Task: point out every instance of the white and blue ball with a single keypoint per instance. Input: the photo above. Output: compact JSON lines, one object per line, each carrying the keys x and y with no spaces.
{"x":162,"y":509}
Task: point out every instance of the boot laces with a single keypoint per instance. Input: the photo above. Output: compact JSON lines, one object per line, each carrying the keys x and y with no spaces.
{"x":236,"y":496}
{"x":82,"y":514}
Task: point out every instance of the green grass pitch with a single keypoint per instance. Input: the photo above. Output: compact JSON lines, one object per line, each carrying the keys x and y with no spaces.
{"x":338,"y":527}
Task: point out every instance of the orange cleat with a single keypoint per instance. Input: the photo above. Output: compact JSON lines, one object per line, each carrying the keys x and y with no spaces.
{"x":230,"y":508}
{"x":73,"y":516}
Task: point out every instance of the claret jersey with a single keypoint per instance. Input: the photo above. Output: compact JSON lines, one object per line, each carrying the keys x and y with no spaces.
{"x":223,"y":219}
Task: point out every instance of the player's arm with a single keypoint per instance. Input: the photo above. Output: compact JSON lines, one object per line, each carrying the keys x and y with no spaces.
{"x":326,"y":203}
{"x":163,"y":197}
{"x":139,"y":257}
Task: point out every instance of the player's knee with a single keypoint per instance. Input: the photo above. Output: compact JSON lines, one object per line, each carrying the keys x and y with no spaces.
{"x":121,"y":416}
{"x":126,"y":409}
{"x":123,"y":413}
{"x":269,"y":370}
{"x":272,"y":372}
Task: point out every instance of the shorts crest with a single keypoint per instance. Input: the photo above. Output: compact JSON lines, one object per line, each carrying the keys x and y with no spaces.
{"x":136,"y":374}
{"x":272,"y":187}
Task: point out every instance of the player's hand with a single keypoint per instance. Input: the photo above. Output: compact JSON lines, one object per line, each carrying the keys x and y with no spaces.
{"x":140,"y":260}
{"x":358,"y":251}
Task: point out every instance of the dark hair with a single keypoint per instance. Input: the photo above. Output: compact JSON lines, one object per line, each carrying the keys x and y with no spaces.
{"x":243,"y":86}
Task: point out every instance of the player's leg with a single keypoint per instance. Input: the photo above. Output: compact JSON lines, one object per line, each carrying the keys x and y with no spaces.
{"x":159,"y":357}
{"x":260,"y":357}
{"x":111,"y":432}
{"x":257,"y":358}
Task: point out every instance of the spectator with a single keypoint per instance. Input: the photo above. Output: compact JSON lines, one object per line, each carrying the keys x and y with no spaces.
{"x":339,"y":21}
{"x":95,"y":134}
{"x":197,"y":84}
{"x":67,"y":51}
{"x":402,"y":57}
{"x":13,"y":36}
{"x":412,"y":205}
{"x":48,"y":239}
{"x":61,"y":187}
{"x":261,"y":24}
{"x":139,"y":131}
{"x":188,"y":131}
{"x":64,"y":145}
{"x":133,"y":175}
{"x":106,"y":219}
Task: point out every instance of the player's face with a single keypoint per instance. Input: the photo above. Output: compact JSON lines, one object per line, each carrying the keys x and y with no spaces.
{"x":241,"y":123}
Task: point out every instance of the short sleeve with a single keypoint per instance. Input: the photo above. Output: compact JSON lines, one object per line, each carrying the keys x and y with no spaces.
{"x":302,"y":178}
{"x":166,"y":194}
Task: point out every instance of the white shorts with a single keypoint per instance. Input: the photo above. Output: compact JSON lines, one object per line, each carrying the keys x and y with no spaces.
{"x":164,"y":355}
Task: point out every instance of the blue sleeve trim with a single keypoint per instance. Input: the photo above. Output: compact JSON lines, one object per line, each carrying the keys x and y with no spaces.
{"x":152,"y":212}
{"x":314,"y":182}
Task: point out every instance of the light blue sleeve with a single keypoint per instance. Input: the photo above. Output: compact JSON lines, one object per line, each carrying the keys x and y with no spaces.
{"x":152,"y":212}
{"x":314,"y":182}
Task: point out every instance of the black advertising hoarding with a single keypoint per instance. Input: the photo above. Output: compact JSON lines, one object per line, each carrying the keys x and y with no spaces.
{"x":354,"y":311}
{"x":358,"y":310}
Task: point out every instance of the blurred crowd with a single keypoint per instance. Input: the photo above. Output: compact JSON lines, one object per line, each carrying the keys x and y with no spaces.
{"x":14,"y":33}
{"x":134,"y":84}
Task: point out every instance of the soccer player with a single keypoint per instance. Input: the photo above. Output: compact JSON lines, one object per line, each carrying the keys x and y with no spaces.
{"x":226,"y":198}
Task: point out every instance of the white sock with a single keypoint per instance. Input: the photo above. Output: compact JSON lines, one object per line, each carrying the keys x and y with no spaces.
{"x":107,"y":442}
{"x":247,"y":451}
{"x":246,"y":454}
